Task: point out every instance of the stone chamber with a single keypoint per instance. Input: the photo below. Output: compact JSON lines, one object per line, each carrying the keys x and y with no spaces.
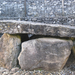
{"x":37,"y":37}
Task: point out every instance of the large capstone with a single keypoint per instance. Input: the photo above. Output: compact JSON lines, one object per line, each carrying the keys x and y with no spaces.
{"x":26,"y":27}
{"x":9,"y":50}
{"x":45,"y":53}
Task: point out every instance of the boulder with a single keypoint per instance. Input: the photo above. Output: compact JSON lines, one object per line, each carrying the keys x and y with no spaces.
{"x":9,"y":50}
{"x":27,"y":27}
{"x":45,"y":53}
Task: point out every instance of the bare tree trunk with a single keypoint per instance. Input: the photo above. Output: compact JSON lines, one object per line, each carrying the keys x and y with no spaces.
{"x":25,"y":8}
{"x":62,"y":7}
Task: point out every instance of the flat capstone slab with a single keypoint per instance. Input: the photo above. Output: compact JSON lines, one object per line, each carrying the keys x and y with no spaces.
{"x":16,"y":27}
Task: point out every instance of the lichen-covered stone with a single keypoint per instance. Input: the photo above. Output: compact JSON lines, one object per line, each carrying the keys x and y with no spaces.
{"x":9,"y":50}
{"x":13,"y":27}
{"x":45,"y":53}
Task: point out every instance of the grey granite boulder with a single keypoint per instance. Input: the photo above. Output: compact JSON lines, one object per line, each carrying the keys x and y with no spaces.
{"x":9,"y":50}
{"x":44,"y":53}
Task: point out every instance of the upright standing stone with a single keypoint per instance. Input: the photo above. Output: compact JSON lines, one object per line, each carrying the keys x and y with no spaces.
{"x":9,"y":50}
{"x":73,"y":49}
{"x":44,"y":53}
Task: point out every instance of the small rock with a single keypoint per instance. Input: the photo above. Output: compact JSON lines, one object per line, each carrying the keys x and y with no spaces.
{"x":18,"y":73}
{"x":13,"y":70}
{"x":5,"y":73}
